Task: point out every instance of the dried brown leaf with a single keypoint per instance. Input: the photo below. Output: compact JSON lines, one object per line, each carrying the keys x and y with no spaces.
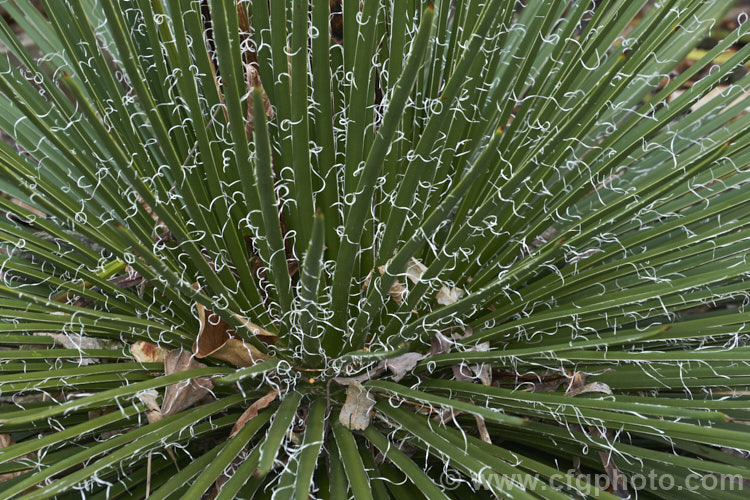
{"x":401,"y":365}
{"x":463,"y":373}
{"x":252,"y":411}
{"x":364,"y":377}
{"x":153,"y":411}
{"x":547,"y":385}
{"x":440,"y":344}
{"x":247,"y":416}
{"x":6,"y":441}
{"x":484,"y":434}
{"x":543,"y":238}
{"x":214,"y":331}
{"x":355,"y":414}
{"x":216,"y":339}
{"x":618,"y":484}
{"x":263,"y":334}
{"x":397,"y":290}
{"x":444,"y":415}
{"x":74,"y":341}
{"x":253,"y":81}
{"x":466,"y":373}
{"x":598,"y":387}
{"x":146,"y":352}
{"x":337,"y":21}
{"x":415,"y":270}
{"x":445,"y":296}
{"x":184,"y":394}
{"x":153,"y":415}
{"x":577,"y":381}
{"x":236,"y":352}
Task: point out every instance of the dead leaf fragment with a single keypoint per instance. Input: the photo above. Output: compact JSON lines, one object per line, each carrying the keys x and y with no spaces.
{"x":618,"y":484}
{"x":543,"y":238}
{"x":355,"y":414}
{"x":440,"y":344}
{"x":466,"y":373}
{"x":216,"y":339}
{"x":153,"y":415}
{"x":252,"y":411}
{"x":234,"y":351}
{"x":6,"y":441}
{"x":397,"y":290}
{"x":74,"y":341}
{"x":363,"y":377}
{"x":415,"y":270}
{"x":577,"y":381}
{"x":153,"y":411}
{"x":253,"y":81}
{"x":146,"y":352}
{"x":719,"y":91}
{"x":246,"y":416}
{"x":598,"y":387}
{"x":462,"y":372}
{"x":484,"y":434}
{"x":263,"y":334}
{"x":447,"y":296}
{"x":401,"y":365}
{"x":186,"y":393}
{"x":546,"y":386}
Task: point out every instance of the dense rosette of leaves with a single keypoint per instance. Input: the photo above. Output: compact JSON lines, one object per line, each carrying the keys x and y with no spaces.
{"x":372,"y":249}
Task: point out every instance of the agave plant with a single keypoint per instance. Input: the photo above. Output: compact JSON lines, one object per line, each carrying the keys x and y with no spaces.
{"x":373,"y":249}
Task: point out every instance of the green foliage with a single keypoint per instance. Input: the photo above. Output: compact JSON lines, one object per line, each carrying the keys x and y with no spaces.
{"x":507,"y":240}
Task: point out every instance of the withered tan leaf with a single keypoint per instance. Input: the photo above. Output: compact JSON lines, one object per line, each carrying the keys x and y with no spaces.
{"x":153,"y":411}
{"x":463,"y":373}
{"x":252,"y":411}
{"x":216,"y":339}
{"x":466,"y":373}
{"x":440,"y":344}
{"x":546,"y":386}
{"x":263,"y":334}
{"x":577,"y":381}
{"x":72,"y":340}
{"x":213,"y":332}
{"x":484,"y":434}
{"x":401,"y":365}
{"x":5,"y":441}
{"x":397,"y":290}
{"x":445,"y":296}
{"x":355,"y":414}
{"x":146,"y":352}
{"x":597,"y":387}
{"x":234,"y":351}
{"x":186,"y":393}
{"x":617,"y":481}
{"x":363,"y":377}
{"x":153,"y":415}
{"x":414,"y":270}
{"x":253,"y":81}
{"x":247,"y":416}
